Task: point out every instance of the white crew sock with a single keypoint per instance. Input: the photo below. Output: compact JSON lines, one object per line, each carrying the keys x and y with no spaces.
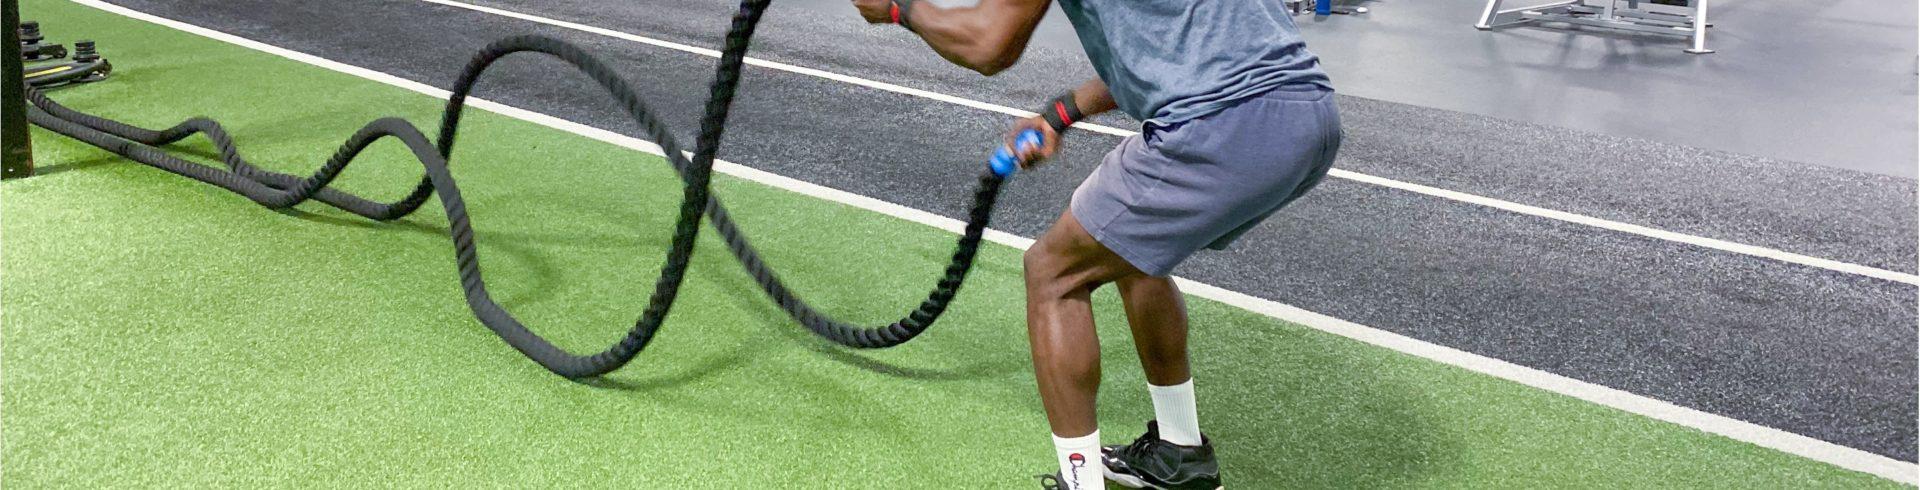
{"x":1079,"y":457}
{"x":1173,"y":407}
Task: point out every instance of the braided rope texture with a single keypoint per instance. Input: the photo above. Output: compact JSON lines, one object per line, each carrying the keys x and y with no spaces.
{"x":278,"y":191}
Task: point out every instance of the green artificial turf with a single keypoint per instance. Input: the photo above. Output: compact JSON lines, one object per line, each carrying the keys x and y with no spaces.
{"x":163,"y":333}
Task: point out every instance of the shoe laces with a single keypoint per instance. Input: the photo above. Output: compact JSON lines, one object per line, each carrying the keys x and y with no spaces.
{"x":1141,"y":446}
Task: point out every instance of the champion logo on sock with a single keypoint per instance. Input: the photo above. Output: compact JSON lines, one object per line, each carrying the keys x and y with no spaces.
{"x":1078,"y":461}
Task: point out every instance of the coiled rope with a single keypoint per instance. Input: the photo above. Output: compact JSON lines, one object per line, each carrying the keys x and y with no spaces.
{"x":277,"y":190}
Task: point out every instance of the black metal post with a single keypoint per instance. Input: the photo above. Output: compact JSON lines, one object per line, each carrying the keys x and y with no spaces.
{"x":16,"y":149}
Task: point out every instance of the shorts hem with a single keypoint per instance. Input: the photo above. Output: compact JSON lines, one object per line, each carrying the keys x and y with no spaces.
{"x":1098,"y":232}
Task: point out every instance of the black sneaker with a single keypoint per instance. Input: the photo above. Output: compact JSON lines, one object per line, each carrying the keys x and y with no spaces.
{"x":1153,"y":463}
{"x":1051,"y":482}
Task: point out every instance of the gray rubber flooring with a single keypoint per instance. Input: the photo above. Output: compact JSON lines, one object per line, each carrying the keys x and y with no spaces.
{"x":1830,"y":83}
{"x":1810,"y":351}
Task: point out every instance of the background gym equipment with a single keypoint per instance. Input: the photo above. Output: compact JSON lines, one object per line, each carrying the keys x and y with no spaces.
{"x":277,"y":190}
{"x":25,"y":43}
{"x":31,"y":47}
{"x":1670,"y":17}
{"x":87,"y":66}
{"x":1323,"y":7}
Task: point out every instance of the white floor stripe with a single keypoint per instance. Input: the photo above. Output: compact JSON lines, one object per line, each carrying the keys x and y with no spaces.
{"x":1695,"y":240}
{"x":1815,"y":449}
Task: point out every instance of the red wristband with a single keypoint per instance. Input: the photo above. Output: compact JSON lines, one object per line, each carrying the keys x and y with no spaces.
{"x":900,"y":11}
{"x":1061,"y":112}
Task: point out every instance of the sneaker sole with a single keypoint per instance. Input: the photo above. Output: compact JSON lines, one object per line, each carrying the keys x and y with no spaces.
{"x":1124,"y":480}
{"x":1131,"y":481}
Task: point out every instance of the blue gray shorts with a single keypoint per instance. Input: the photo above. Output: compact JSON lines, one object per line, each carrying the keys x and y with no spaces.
{"x":1172,"y":190}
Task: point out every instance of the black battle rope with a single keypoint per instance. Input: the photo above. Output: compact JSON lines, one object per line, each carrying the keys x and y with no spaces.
{"x":278,"y":191}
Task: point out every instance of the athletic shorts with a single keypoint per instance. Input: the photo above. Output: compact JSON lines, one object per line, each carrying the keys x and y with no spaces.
{"x":1172,"y":190}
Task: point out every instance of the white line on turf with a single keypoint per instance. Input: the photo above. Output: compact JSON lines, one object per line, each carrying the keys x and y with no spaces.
{"x":1815,"y":449}
{"x":1695,"y":240}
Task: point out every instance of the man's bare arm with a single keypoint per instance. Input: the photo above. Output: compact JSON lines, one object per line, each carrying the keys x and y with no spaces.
{"x":987,"y":37}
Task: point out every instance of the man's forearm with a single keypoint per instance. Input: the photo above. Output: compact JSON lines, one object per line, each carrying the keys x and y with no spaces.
{"x":987,"y":37}
{"x":1055,"y":117}
{"x":1083,"y":102}
{"x":1093,"y":98}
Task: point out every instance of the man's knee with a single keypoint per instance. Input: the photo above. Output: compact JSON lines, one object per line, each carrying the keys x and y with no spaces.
{"x":1067,"y":259}
{"x":1141,"y":283}
{"x":1045,"y":266}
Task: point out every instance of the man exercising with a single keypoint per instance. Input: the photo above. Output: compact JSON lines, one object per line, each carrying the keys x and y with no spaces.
{"x":1239,"y":120}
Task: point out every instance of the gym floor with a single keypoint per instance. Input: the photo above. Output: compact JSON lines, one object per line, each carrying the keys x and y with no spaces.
{"x":1524,"y":218}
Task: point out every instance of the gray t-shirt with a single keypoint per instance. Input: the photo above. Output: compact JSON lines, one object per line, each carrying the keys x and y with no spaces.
{"x":1168,"y":61}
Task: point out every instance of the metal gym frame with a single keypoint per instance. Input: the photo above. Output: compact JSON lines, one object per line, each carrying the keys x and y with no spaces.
{"x":16,"y":152}
{"x":1608,"y":14}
